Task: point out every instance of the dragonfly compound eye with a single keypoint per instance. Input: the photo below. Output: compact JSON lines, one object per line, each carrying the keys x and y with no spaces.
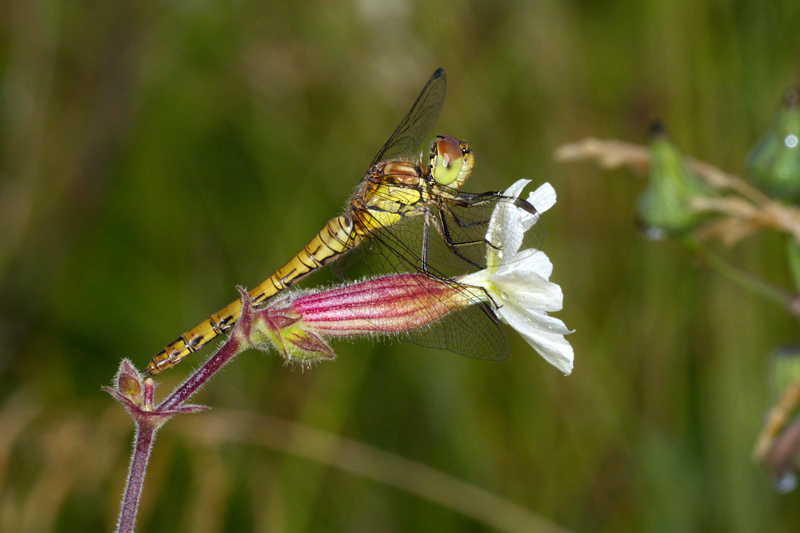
{"x":448,"y":160}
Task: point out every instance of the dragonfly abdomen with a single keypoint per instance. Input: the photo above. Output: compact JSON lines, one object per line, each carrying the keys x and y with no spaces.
{"x":337,"y":237}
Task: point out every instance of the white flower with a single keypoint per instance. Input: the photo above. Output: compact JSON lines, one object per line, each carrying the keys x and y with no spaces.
{"x":518,"y":280}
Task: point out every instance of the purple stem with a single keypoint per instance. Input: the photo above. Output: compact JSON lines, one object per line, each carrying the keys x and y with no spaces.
{"x":203,"y":374}
{"x":133,"y":490}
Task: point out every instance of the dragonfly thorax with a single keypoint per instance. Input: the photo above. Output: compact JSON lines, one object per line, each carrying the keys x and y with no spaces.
{"x":392,"y":187}
{"x":451,"y":161}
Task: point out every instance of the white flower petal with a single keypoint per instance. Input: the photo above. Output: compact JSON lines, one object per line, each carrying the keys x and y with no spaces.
{"x":550,"y":343}
{"x":505,"y":234}
{"x":555,"y":349}
{"x":518,"y":280}
{"x":516,"y":188}
{"x":543,"y":198}
{"x":549,"y":323}
{"x":547,"y":298}
{"x":529,"y":262}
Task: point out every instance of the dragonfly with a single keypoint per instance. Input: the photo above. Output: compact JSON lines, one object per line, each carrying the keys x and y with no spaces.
{"x":406,"y":214}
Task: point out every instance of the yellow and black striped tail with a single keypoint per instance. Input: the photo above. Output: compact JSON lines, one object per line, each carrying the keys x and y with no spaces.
{"x":337,"y":237}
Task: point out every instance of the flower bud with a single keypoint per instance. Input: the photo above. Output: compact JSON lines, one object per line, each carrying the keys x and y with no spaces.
{"x":300,"y":324}
{"x":129,"y":382}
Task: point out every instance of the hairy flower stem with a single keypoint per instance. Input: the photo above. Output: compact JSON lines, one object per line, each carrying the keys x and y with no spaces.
{"x":145,"y":433}
{"x":202,"y":375}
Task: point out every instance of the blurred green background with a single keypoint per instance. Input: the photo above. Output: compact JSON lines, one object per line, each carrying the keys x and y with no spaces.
{"x":153,"y":155}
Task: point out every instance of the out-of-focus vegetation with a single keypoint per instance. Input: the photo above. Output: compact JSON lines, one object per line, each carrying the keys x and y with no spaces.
{"x":154,"y":155}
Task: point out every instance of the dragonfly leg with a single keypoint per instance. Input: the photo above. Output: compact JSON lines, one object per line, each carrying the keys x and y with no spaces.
{"x":452,"y":244}
{"x":484,"y":305}
{"x":468,"y":200}
{"x":426,"y":224}
{"x":441,"y":226}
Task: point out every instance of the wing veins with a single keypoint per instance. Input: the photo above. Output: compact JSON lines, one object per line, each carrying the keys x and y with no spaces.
{"x":417,"y":123}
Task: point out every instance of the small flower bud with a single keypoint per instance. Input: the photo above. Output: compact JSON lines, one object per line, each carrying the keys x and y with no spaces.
{"x":129,"y":382}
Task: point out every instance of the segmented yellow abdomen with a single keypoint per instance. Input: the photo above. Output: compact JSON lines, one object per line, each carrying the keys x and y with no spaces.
{"x":338,"y":236}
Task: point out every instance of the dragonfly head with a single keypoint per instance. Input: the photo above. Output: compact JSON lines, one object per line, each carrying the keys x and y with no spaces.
{"x":450,"y":161}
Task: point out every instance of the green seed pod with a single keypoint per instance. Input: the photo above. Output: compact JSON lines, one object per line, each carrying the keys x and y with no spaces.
{"x":663,"y":208}
{"x":774,"y":163}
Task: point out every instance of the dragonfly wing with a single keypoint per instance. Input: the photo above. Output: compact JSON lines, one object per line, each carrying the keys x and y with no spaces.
{"x":473,"y":331}
{"x":406,"y":139}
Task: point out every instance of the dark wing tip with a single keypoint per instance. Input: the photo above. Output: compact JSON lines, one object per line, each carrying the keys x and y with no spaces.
{"x":525,"y":206}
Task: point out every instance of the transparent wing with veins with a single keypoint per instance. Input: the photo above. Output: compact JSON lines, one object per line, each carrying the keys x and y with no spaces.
{"x":406,"y":139}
